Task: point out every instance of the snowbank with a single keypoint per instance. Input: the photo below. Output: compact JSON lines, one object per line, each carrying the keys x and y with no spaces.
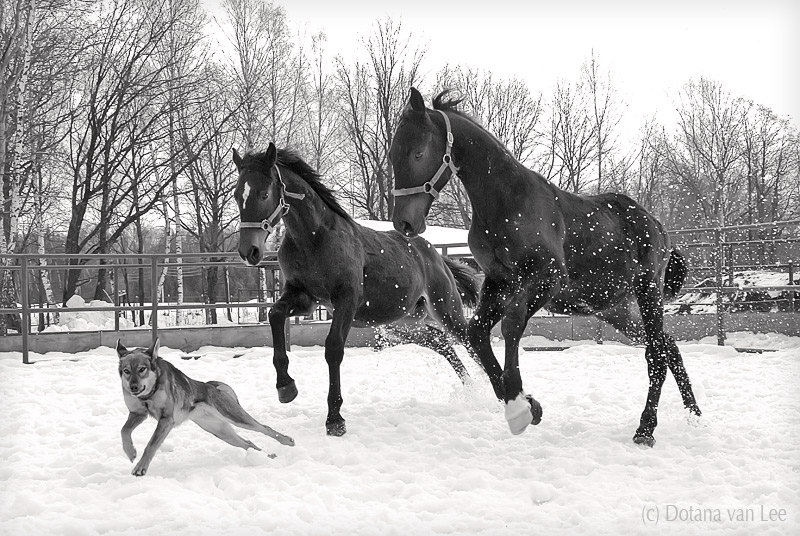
{"x":423,"y":454}
{"x":87,"y":320}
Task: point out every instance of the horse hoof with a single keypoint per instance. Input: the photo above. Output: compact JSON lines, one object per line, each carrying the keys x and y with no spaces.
{"x":536,"y":410}
{"x":336,"y":429}
{"x":518,"y":414}
{"x":287,"y":393}
{"x":644,"y":439}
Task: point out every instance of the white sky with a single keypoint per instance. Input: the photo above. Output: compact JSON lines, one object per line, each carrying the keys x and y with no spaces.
{"x":650,"y":47}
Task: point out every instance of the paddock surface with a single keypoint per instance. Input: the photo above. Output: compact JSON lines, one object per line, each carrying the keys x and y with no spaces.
{"x":422,"y":455}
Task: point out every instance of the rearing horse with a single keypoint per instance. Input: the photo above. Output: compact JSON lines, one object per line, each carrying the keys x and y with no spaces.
{"x":364,"y":276}
{"x":540,"y":247}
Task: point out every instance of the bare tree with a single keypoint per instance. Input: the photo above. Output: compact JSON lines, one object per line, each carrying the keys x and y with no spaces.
{"x":323,"y":123}
{"x":767,"y":145}
{"x":121,"y":105}
{"x":605,"y":115}
{"x":574,"y":136}
{"x":372,"y":94}
{"x":706,"y":151}
{"x":212,"y":179}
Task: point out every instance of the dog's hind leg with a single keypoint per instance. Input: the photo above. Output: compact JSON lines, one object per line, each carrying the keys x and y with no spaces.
{"x":224,"y":387}
{"x":211,"y":423}
{"x":224,"y":400}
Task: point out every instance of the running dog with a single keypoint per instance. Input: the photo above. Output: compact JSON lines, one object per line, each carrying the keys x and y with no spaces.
{"x":151,"y":385}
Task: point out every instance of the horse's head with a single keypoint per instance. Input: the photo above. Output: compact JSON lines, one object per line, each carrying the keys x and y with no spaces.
{"x":260,"y":197}
{"x":420,"y":157}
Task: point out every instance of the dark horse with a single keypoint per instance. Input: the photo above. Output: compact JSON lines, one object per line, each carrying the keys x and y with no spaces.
{"x":327,"y":258}
{"x":540,"y":247}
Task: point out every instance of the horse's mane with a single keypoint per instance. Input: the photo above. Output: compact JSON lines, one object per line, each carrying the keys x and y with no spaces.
{"x":294,"y":163}
{"x":439,"y":102}
{"x":444,"y":102}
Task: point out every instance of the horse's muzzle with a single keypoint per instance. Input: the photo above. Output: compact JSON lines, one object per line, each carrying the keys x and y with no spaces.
{"x":407,"y":229}
{"x":252,"y":256}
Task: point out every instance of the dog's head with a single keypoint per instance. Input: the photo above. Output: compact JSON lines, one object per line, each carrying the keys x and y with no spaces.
{"x":138,"y":369}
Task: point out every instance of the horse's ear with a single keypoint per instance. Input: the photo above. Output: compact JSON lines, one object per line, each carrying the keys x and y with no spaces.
{"x":416,"y":101}
{"x":237,"y":159}
{"x":272,"y":154}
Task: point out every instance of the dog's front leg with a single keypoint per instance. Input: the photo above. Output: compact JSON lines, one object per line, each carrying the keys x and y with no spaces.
{"x":163,"y":428}
{"x":134,"y":420}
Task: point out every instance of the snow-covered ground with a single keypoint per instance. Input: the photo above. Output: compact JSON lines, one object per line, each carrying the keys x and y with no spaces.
{"x":423,"y":454}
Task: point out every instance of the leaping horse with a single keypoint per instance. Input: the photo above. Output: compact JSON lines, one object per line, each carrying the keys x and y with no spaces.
{"x":540,"y":247}
{"x":363,"y":276}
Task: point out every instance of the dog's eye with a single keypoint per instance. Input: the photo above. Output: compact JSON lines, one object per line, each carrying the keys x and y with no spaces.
{"x":126,"y":372}
{"x":142,"y":369}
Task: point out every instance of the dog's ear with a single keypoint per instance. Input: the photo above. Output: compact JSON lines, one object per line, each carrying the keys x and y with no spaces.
{"x":153,"y":350}
{"x":121,"y":350}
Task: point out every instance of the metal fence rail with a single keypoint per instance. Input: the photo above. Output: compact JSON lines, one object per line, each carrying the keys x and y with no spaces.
{"x":23,"y":264}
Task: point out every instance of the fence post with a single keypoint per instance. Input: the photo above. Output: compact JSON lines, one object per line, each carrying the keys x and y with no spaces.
{"x":25,"y":320}
{"x":116,"y":296}
{"x":154,"y":297}
{"x":718,"y":238}
{"x":791,"y":282}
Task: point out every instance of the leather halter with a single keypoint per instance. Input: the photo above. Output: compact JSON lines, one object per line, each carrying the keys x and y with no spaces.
{"x":268,"y":224}
{"x":447,"y":162}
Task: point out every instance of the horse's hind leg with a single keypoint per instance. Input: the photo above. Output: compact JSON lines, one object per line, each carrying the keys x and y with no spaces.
{"x":439,"y":342}
{"x":675,"y":364}
{"x":293,"y":300}
{"x":622,"y":319}
{"x":659,"y":347}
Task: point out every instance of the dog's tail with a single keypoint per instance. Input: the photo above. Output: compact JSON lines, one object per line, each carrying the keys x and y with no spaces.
{"x":675,"y":275}
{"x":466,"y":280}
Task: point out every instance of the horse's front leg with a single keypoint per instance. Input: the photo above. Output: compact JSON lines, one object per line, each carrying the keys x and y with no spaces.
{"x":292,"y":301}
{"x":521,"y":409}
{"x":344,"y":309}
{"x":489,"y":311}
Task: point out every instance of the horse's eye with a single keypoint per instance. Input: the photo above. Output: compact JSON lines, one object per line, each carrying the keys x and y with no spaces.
{"x":418,"y":155}
{"x":264,"y":195}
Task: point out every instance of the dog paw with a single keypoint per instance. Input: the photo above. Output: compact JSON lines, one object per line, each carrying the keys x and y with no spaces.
{"x":140,"y":469}
{"x":130,"y":452}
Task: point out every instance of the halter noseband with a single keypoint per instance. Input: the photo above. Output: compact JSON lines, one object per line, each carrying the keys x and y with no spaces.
{"x":268,"y":224}
{"x":447,"y":162}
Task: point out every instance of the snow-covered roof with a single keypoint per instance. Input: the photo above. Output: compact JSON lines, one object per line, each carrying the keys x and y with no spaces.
{"x":434,"y":234}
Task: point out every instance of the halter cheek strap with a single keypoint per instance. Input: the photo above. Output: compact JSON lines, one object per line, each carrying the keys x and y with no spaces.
{"x":268,"y":224}
{"x":447,"y":162}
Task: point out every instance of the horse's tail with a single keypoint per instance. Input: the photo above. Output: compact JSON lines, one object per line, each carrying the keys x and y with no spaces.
{"x":675,"y":274}
{"x":466,"y":281}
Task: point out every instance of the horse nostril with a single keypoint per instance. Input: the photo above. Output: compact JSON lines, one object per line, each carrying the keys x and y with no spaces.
{"x":253,"y":255}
